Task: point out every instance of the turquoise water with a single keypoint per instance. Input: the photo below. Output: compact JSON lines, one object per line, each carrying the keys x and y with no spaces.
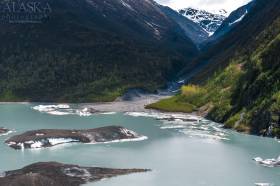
{"x":183,"y":155}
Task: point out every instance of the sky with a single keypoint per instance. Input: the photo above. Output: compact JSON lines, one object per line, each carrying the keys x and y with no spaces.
{"x":210,"y":5}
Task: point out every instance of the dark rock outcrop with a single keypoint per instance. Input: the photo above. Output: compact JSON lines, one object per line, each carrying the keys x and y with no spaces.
{"x":57,"y":174}
{"x":52,"y":137}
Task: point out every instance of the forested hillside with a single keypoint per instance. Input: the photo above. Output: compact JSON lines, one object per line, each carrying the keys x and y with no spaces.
{"x":90,"y":50}
{"x":245,"y":95}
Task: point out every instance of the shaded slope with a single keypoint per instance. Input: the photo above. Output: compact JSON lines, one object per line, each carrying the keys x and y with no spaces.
{"x":90,"y":50}
{"x":196,"y":33}
{"x":231,"y":21}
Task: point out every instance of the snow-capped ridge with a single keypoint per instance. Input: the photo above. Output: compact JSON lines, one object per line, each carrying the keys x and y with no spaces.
{"x":209,"y":21}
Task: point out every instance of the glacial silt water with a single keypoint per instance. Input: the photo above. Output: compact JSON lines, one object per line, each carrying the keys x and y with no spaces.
{"x":179,"y":152}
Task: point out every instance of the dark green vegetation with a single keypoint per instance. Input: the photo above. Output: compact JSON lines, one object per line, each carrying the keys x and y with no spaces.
{"x":245,"y":94}
{"x":91,"y":50}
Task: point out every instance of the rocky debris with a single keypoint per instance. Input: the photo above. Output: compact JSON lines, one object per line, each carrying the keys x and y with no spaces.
{"x":57,"y":174}
{"x":205,"y":110}
{"x":52,"y":137}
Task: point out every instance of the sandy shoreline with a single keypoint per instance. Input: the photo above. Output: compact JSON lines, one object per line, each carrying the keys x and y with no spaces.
{"x":130,"y":102}
{"x":136,"y":104}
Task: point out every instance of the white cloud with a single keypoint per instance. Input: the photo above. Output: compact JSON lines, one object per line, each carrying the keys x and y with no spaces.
{"x":210,"y":5}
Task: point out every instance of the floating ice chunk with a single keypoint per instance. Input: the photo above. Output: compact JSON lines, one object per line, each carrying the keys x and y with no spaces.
{"x":258,"y":159}
{"x":83,"y":112}
{"x":108,"y":113}
{"x":268,"y":162}
{"x":205,"y":135}
{"x":263,"y":184}
{"x":46,"y":108}
{"x":7,"y":133}
{"x":86,"y":111}
{"x":190,"y":125}
{"x":63,"y":106}
{"x":58,"y":113}
{"x":2,"y":174}
{"x":173,"y":127}
{"x":165,"y":116}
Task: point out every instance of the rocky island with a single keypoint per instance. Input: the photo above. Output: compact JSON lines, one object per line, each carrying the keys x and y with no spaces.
{"x":57,"y":174}
{"x":51,"y":137}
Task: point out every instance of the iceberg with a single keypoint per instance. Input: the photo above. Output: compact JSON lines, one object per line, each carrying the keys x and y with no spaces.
{"x":268,"y":162}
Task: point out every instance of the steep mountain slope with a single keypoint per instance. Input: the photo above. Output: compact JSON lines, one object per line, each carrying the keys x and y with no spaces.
{"x":240,"y":39}
{"x":90,"y":50}
{"x":195,"y":32}
{"x":231,"y":21}
{"x":244,"y":91}
{"x":208,"y":21}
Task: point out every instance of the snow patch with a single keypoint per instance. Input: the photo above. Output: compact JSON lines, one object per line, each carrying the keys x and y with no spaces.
{"x":37,"y":144}
{"x":155,"y":29}
{"x":42,"y":143}
{"x":240,"y":19}
{"x":142,"y":138}
{"x":126,"y":5}
{"x":208,"y":21}
{"x":77,"y":172}
{"x":40,"y":134}
{"x":57,"y":141}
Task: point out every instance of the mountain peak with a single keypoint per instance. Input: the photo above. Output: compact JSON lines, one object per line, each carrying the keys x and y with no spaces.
{"x":209,"y":21}
{"x":222,"y":12}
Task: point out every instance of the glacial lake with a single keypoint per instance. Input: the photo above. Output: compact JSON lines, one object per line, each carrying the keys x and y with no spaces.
{"x":180,"y":153}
